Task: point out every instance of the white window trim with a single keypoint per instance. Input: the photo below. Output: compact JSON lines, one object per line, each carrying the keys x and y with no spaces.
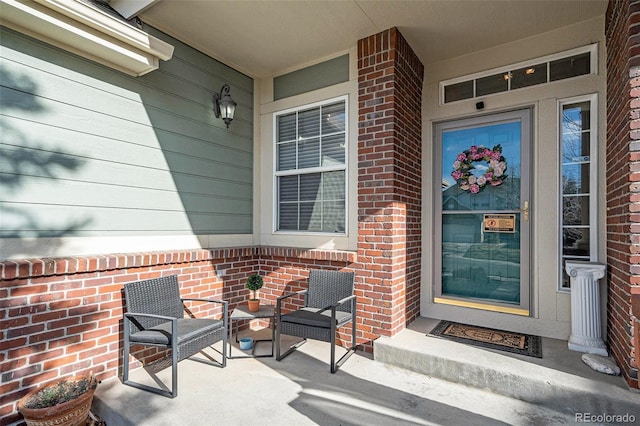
{"x":88,"y":32}
{"x":593,"y":179}
{"x":592,"y":48}
{"x":344,"y":167}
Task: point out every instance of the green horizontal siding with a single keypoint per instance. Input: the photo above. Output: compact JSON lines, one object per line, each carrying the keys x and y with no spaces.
{"x":315,"y":77}
{"x":88,"y":151}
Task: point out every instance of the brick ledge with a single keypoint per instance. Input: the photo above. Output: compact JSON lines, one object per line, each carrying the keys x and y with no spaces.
{"x":41,"y":267}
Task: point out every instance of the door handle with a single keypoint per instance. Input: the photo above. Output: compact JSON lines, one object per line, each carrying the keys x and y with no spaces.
{"x":525,"y":211}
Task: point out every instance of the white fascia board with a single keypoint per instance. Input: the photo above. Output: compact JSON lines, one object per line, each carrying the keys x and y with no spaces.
{"x":88,"y":32}
{"x":131,"y":8}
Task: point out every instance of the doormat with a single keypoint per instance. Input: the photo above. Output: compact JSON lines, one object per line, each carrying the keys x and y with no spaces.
{"x":507,"y":341}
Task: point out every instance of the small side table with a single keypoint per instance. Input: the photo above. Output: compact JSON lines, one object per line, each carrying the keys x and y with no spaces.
{"x":241,"y":312}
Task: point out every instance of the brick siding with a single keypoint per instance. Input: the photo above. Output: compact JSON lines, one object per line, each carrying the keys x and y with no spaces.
{"x":61,"y":317}
{"x":390,"y":78}
{"x":623,"y":179}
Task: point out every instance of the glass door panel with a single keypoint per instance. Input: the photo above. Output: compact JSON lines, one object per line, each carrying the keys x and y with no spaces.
{"x":479,"y":265}
{"x":483,"y":216}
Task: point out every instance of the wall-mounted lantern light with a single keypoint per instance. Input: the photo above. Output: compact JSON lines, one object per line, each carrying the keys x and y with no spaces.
{"x":223,"y":105}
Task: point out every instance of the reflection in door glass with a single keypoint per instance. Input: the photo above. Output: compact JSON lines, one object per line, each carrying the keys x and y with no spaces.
{"x":481,"y":261}
{"x":507,"y":195}
{"x":479,"y":264}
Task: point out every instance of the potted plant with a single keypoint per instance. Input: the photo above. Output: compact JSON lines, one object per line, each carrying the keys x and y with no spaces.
{"x":254,"y":283}
{"x":64,"y":402}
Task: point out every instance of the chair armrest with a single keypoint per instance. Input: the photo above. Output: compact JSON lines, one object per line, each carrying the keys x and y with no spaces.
{"x":341,"y":302}
{"x":346,"y":299}
{"x":134,"y":314}
{"x":129,"y":315}
{"x":281,"y":298}
{"x":292,"y":294}
{"x":205,"y":300}
{"x":224,"y":303}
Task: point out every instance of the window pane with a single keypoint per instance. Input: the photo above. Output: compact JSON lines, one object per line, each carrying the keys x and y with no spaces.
{"x":576,"y":135}
{"x":575,"y":241}
{"x":575,"y":210}
{"x":529,"y":76}
{"x":570,"y":67}
{"x":287,"y":156}
{"x":576,"y":117}
{"x":333,"y":118}
{"x":492,"y":84}
{"x":576,"y":147}
{"x":311,"y":217}
{"x":576,"y":171}
{"x":575,"y":178}
{"x":288,"y":217}
{"x":314,"y":138}
{"x":333,"y":216}
{"x":333,"y":186}
{"x":310,"y":187}
{"x":333,"y":150}
{"x":286,"y":127}
{"x":309,"y":153}
{"x":288,"y":188}
{"x":309,"y":123}
{"x":458,"y":91}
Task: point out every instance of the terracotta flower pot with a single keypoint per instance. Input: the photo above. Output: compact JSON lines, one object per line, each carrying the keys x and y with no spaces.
{"x":70,"y":413}
{"x":254,"y":305}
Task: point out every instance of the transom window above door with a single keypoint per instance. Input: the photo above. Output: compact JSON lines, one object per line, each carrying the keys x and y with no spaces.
{"x":560,"y":66}
{"x":310,"y":168}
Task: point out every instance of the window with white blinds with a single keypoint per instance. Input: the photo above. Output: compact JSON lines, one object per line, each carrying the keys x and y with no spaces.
{"x":310,"y":177}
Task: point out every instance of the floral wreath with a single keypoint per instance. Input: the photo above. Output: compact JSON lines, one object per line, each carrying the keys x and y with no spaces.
{"x":463,"y":166}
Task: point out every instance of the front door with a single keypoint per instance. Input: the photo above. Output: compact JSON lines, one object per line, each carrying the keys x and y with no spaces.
{"x":483,"y":212}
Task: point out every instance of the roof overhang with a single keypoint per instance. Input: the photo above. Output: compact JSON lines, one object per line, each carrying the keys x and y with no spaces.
{"x":86,"y":31}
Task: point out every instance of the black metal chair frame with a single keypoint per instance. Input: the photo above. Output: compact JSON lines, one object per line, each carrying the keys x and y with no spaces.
{"x":155,"y":317}
{"x":326,"y":326}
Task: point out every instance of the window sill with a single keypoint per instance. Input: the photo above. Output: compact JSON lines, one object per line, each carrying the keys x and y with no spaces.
{"x":88,"y":32}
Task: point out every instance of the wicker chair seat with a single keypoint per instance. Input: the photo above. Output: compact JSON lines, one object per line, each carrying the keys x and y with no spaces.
{"x":316,"y":317}
{"x":188,"y":329}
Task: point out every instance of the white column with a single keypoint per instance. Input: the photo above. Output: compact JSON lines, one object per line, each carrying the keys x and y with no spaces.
{"x":586,"y":335}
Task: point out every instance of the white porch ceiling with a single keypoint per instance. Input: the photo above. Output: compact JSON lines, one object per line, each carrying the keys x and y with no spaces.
{"x":270,"y":37}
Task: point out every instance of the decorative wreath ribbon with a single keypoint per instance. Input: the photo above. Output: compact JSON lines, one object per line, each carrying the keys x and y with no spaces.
{"x":464,"y":164}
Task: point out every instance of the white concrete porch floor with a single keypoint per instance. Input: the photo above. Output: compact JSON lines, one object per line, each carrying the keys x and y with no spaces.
{"x":560,"y":380}
{"x":299,"y":390}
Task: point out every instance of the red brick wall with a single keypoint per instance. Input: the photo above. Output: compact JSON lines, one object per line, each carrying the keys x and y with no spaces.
{"x":389,"y":181}
{"x":61,"y":317}
{"x":64,"y":316}
{"x":623,"y":178}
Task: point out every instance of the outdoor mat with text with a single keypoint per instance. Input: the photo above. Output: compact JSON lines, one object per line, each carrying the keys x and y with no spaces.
{"x":507,"y":341}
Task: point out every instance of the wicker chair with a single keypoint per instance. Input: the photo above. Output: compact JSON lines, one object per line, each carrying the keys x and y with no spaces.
{"x":329,"y":303}
{"x":155,"y":317}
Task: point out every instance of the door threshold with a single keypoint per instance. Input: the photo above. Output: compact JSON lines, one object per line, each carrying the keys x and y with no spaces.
{"x":483,"y":306}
